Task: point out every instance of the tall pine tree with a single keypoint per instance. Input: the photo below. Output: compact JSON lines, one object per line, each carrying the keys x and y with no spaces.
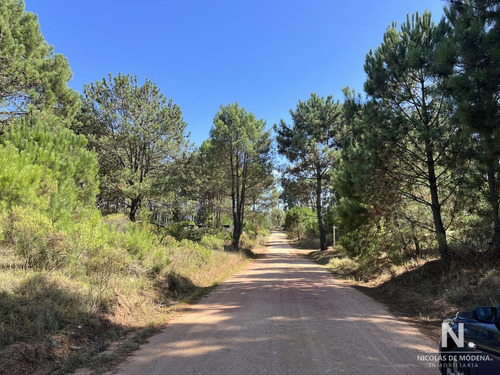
{"x":32,"y":76}
{"x":137,"y":133}
{"x":473,"y":55}
{"x":244,"y":149}
{"x":310,"y":144}
{"x":410,"y":118}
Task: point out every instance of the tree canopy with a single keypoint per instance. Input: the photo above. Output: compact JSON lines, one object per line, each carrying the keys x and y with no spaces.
{"x":244,"y":150}
{"x":137,"y":132}
{"x":417,"y":142}
{"x":473,"y":54}
{"x":32,"y":76}
{"x":310,"y":144}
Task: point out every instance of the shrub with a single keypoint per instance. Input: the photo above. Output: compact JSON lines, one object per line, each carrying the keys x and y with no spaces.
{"x":359,"y":242}
{"x":37,"y":242}
{"x":120,"y":222}
{"x":4,"y":219}
{"x":183,"y":230}
{"x":312,"y":230}
{"x":264,"y":232}
{"x":101,"y":265}
{"x":246,"y":242}
{"x":57,"y":167}
{"x":139,"y":241}
{"x":212,"y":242}
{"x":38,"y":304}
{"x":188,"y":256}
{"x":157,"y":261}
{"x":299,"y":221}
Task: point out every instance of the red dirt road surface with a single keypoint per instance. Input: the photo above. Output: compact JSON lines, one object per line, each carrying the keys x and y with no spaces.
{"x":284,"y":315}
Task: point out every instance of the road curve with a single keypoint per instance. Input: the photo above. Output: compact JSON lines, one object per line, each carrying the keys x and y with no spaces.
{"x":283,"y":315}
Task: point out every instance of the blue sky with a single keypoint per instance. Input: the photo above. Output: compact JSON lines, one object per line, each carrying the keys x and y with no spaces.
{"x":266,"y":55}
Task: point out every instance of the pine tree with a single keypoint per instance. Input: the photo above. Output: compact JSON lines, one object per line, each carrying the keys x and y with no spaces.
{"x":69,"y":181}
{"x":212,"y":185}
{"x":419,"y":147}
{"x":473,"y":55}
{"x":32,"y":76}
{"x":310,"y":145}
{"x":244,"y":150}
{"x":137,"y":133}
{"x":56,"y":175}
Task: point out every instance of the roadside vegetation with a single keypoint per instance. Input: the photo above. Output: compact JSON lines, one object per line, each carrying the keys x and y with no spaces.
{"x":416,"y":290}
{"x":67,"y":296}
{"x":110,"y":217}
{"x":413,"y":170}
{"x":110,"y":220}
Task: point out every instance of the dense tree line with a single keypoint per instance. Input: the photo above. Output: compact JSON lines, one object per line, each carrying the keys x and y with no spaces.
{"x":414,"y":163}
{"x":410,"y":166}
{"x":120,"y":146}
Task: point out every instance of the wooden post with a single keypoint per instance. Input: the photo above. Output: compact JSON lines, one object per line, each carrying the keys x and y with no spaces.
{"x":334,"y":227}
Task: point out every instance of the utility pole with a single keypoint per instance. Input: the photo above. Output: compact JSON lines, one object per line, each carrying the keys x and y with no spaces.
{"x":334,"y":227}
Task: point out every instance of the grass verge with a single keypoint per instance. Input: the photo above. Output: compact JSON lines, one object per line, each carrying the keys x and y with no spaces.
{"x":53,"y":321}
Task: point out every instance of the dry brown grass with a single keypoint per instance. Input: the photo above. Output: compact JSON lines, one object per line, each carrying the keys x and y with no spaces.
{"x":418,"y":291}
{"x":53,"y":321}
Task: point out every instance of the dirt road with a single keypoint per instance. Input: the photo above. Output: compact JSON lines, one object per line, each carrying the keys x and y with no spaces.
{"x":283,"y":315}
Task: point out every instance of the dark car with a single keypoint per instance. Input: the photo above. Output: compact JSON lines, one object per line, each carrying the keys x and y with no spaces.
{"x":470,"y":344}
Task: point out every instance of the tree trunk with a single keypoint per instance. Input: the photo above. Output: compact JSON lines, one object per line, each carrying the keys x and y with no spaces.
{"x":321,"y":226}
{"x":135,"y":206}
{"x":217,"y":219}
{"x":237,"y":229}
{"x":436,"y":210}
{"x":416,"y":242}
{"x":493,"y":198}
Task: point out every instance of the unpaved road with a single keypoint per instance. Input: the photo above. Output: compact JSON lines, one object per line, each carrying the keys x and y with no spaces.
{"x":283,"y":315}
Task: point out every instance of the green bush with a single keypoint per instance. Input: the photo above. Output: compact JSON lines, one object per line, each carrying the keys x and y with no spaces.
{"x":120,"y":222}
{"x":246,"y":242}
{"x":57,"y":173}
{"x":157,"y":261}
{"x":36,"y":240}
{"x":23,"y":183}
{"x":312,"y":230}
{"x":359,"y":242}
{"x":202,"y":254}
{"x":4,"y":220}
{"x":301,"y":222}
{"x":264,"y":232}
{"x":188,"y":255}
{"x":212,"y":242}
{"x":182,"y":230}
{"x":251,"y":230}
{"x":102,"y":264}
{"x":139,"y":241}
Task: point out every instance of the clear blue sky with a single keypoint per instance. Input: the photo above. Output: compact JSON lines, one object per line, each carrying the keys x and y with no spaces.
{"x":266,"y":55}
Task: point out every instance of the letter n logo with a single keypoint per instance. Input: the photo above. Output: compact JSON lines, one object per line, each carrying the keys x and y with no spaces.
{"x":446,"y":332}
